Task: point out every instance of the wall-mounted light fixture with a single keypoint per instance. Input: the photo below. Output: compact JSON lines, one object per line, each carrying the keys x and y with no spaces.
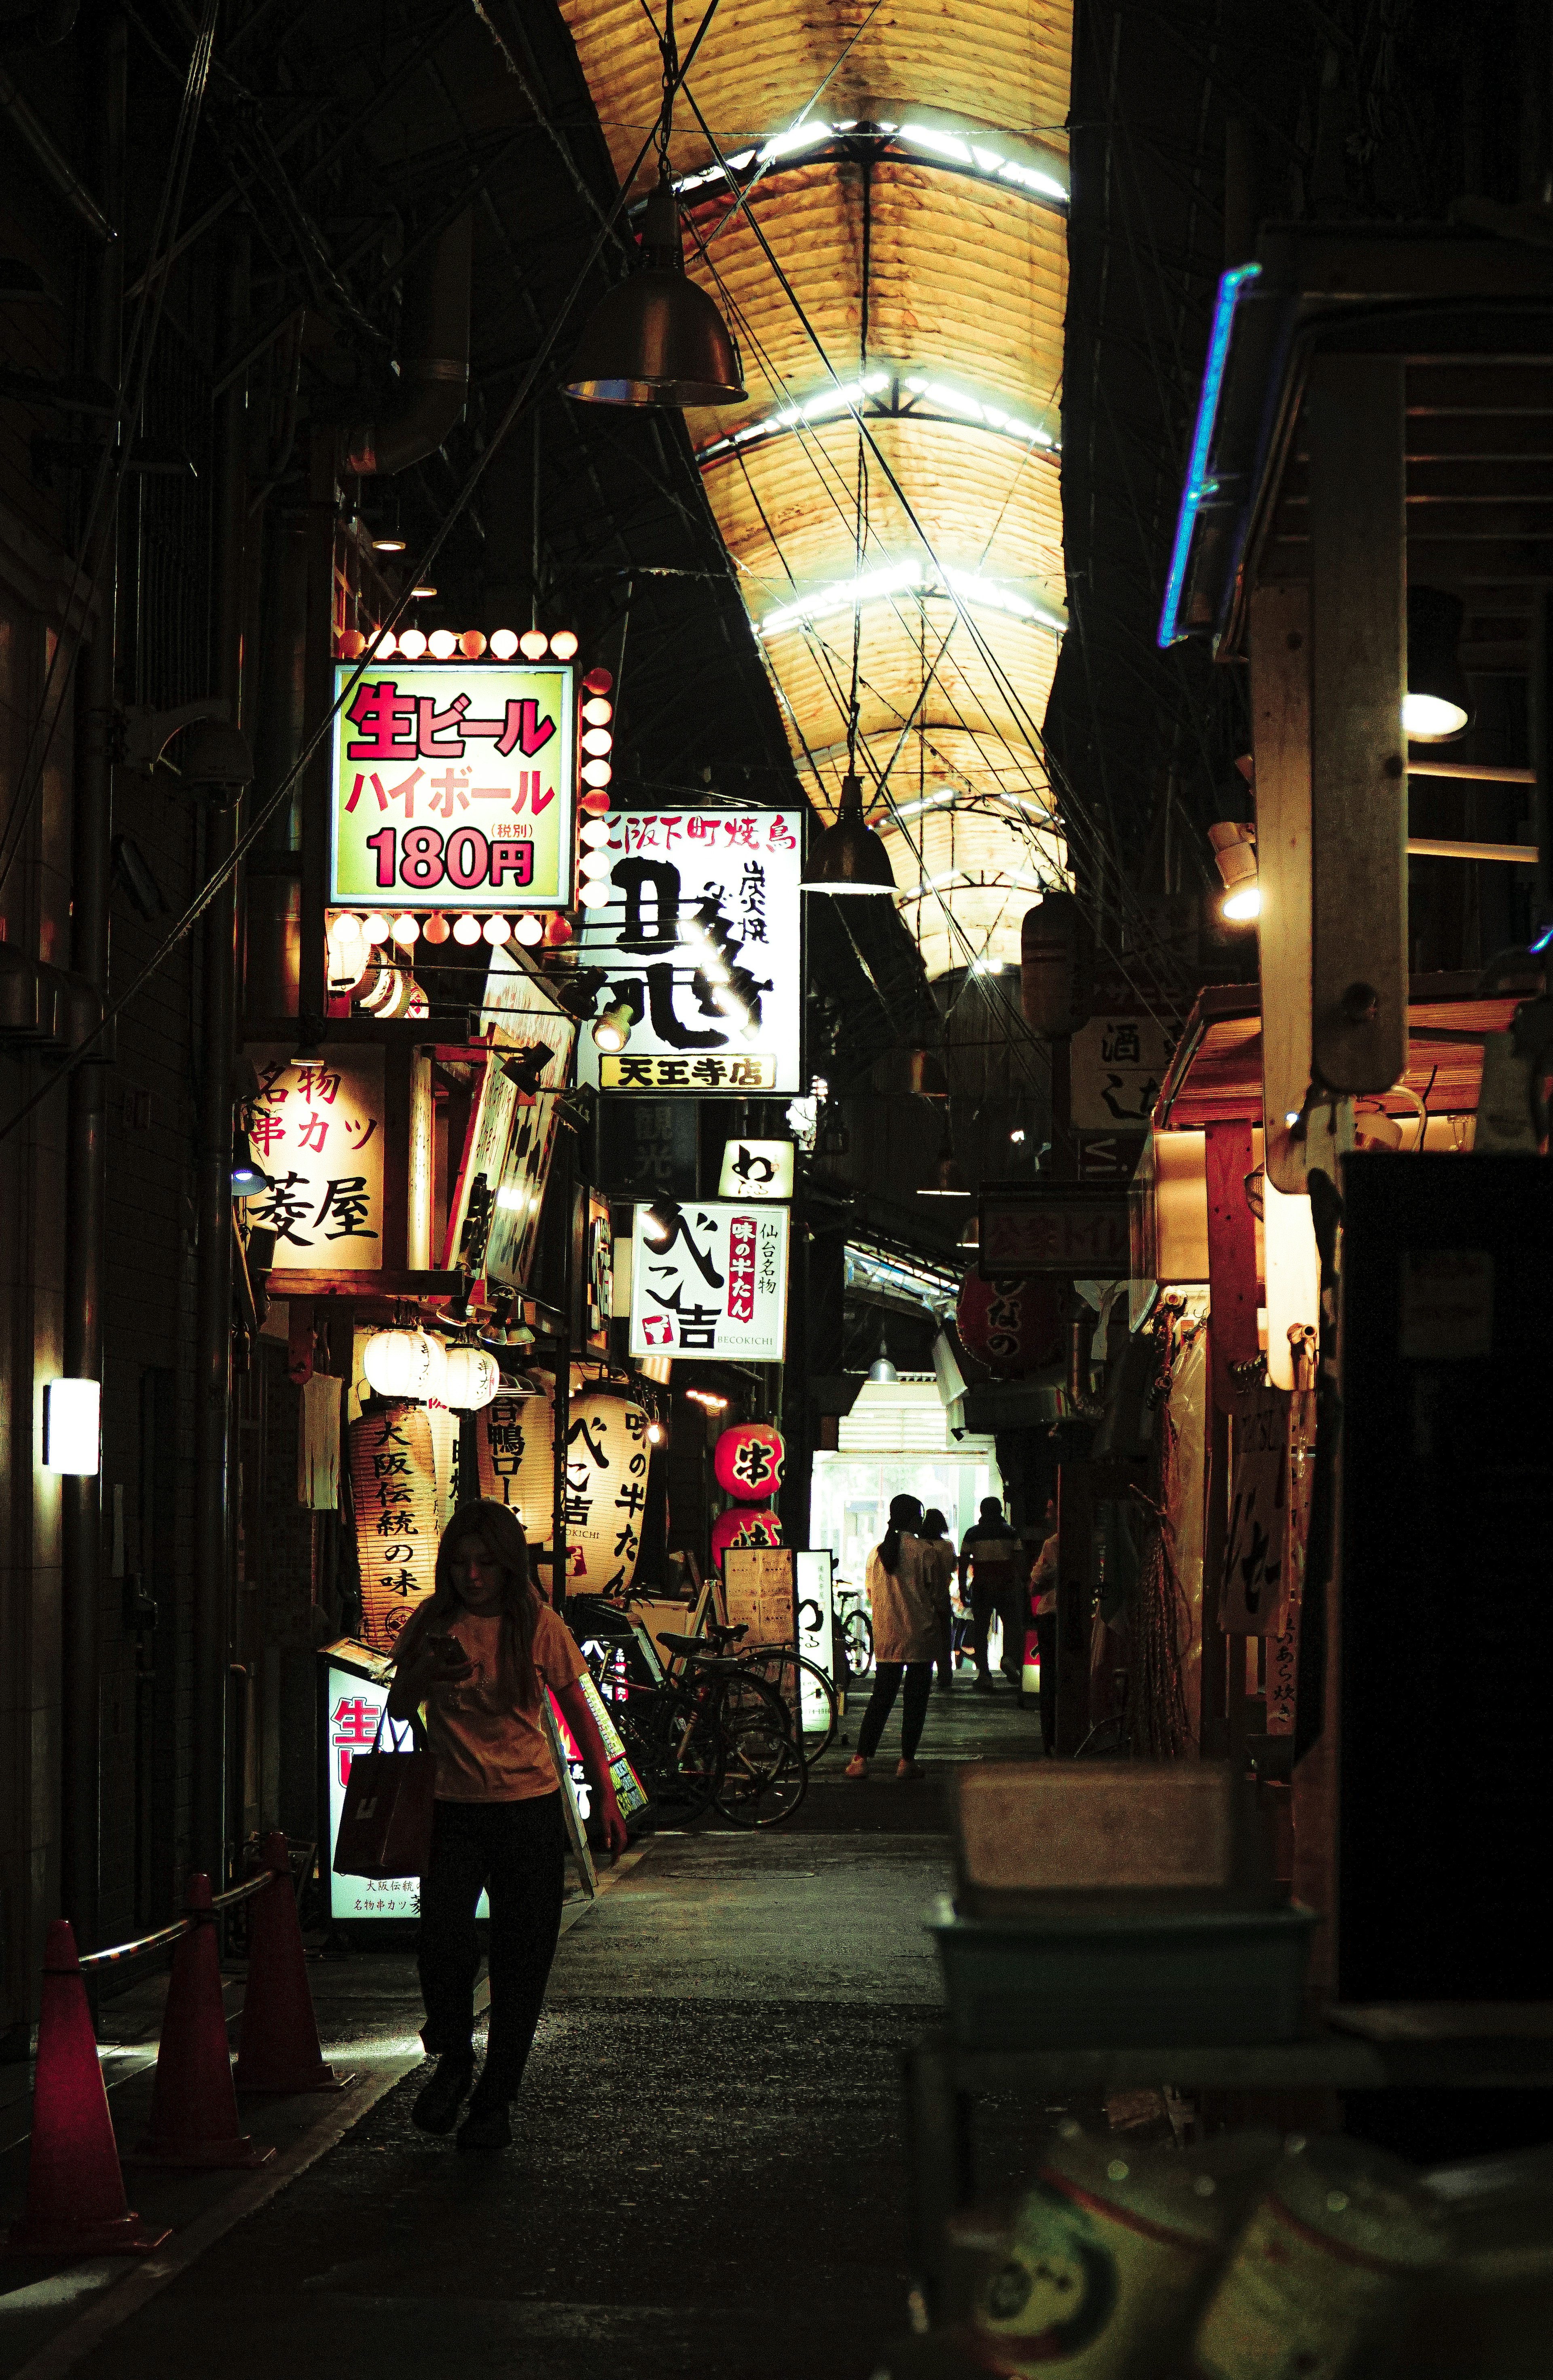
{"x":1235,"y":850}
{"x":73,"y":1427}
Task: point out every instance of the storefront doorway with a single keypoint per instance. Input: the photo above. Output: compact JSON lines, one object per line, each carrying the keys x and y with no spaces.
{"x":895,"y":1441}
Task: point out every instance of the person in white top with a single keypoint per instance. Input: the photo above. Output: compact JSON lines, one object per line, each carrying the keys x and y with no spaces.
{"x":905,"y":1637}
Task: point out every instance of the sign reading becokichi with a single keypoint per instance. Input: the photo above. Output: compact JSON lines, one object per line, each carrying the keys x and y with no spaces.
{"x":710,"y":1280}
{"x":454,"y":786}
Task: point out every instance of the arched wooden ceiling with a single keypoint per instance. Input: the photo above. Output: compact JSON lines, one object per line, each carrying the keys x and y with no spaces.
{"x":877,"y":255}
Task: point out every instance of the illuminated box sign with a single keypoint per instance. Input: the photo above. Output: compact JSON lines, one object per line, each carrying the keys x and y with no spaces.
{"x":757,"y":1169}
{"x":453,"y":787}
{"x":699,"y":933}
{"x":318,"y":1127}
{"x":1076,"y":1231}
{"x":709,"y":1281}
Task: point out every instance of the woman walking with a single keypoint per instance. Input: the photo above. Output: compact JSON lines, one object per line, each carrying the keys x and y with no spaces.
{"x":480,"y":1655}
{"x":906,"y":1638}
{"x":938,"y":1557}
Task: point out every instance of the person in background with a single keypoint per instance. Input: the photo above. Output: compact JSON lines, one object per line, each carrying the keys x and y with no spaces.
{"x":993,"y":1557}
{"x":938,"y":1559}
{"x":480,"y":1654}
{"x":905,"y":1637}
{"x":1043,"y":1593}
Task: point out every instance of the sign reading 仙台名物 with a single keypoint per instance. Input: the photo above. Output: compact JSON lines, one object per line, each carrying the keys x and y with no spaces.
{"x":700,"y":938}
{"x":453,"y":787}
{"x":708,"y":1280}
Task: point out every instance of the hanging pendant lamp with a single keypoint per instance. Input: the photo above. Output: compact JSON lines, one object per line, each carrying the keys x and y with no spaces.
{"x":848,"y":856}
{"x":656,"y":338}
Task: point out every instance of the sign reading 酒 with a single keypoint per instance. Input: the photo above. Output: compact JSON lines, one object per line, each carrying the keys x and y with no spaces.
{"x":700,"y":938}
{"x":453,"y":787}
{"x":1077,"y":1230}
{"x":317,"y":1128}
{"x":1118,"y":1064}
{"x":709,"y":1280}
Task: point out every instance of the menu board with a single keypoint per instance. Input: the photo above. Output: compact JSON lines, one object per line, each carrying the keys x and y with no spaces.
{"x":759,"y":1589}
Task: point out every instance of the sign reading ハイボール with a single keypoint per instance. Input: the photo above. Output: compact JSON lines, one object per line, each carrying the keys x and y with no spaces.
{"x":699,"y":938}
{"x":453,"y":787}
{"x":708,"y":1280}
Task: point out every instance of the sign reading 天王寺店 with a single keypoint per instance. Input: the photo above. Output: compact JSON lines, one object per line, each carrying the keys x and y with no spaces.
{"x":453,"y":787}
{"x":700,"y":938}
{"x":709,"y":1280}
{"x":317,"y":1129}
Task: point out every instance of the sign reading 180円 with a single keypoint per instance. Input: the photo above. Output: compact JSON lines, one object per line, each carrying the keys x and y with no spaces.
{"x":453,"y":787}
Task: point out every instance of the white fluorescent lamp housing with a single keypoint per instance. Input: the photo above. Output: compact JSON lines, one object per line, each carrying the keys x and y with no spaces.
{"x":73,"y":1427}
{"x":913,"y":576}
{"x":934,"y":395}
{"x":1294,"y":1267}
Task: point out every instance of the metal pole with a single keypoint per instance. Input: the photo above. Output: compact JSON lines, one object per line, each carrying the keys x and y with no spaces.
{"x":81,"y":1499}
{"x":213,"y":1566}
{"x":566,"y":1155}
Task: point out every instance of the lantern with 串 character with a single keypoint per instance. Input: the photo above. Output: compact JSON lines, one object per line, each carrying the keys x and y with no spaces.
{"x":393,"y":1496}
{"x":748,"y":1462}
{"x":607,"y":1457}
{"x":1012,"y":1327}
{"x":743,"y":1526}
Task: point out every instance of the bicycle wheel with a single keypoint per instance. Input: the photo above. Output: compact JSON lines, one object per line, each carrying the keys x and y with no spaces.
{"x":694,"y":1768}
{"x":764,"y":1778}
{"x":857,"y":1641}
{"x":804,"y":1688}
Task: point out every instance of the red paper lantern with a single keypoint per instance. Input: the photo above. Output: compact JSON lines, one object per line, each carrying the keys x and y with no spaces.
{"x":748,"y":1461}
{"x":1010,"y":1326}
{"x":741,"y":1526}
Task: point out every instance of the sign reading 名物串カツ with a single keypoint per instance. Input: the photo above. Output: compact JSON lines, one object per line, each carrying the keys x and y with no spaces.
{"x":709,"y":1280}
{"x":757,"y":1169}
{"x":317,"y":1128}
{"x":699,"y":938}
{"x":1077,"y":1230}
{"x":453,"y":785}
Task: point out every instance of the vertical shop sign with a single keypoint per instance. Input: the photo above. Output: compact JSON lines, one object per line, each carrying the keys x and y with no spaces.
{"x":317,"y":1127}
{"x":709,"y":1280}
{"x":700,"y":937}
{"x":393,"y":1498}
{"x":1118,"y":1066}
{"x":453,"y":787}
{"x":649,"y":1148}
{"x":606,"y":1493}
{"x":1256,"y":1545}
{"x":514,"y":1438}
{"x":815,"y":1619}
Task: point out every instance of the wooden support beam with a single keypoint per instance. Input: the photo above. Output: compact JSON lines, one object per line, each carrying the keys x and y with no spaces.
{"x":1358,"y":758}
{"x":1280,"y":741}
{"x":1231,"y":1262}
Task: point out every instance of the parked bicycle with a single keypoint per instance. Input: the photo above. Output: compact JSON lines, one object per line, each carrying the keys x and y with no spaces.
{"x":852,"y":1633}
{"x":806,"y":1692}
{"x":713,"y":1733}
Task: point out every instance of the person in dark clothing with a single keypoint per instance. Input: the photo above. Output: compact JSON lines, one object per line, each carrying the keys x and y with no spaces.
{"x":938,"y":1569}
{"x":993,"y":1557}
{"x":480,"y":1654}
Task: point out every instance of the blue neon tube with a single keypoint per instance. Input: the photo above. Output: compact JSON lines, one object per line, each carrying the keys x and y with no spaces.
{"x":1199,"y":487}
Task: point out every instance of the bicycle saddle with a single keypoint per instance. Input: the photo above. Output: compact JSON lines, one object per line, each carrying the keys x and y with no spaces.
{"x":692,"y":1646}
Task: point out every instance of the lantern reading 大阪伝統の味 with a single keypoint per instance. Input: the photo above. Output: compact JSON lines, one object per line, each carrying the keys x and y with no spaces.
{"x":748,"y":1461}
{"x":393,"y":1498}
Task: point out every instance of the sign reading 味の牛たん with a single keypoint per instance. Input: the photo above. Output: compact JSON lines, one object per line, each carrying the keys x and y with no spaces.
{"x":708,"y":1280}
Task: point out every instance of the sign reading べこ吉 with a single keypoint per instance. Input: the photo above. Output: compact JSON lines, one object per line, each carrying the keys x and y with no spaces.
{"x":453,"y":787}
{"x":709,"y":1280}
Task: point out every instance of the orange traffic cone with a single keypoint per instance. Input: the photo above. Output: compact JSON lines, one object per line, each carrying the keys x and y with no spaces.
{"x":76,"y":2205}
{"x":278,"y":2049}
{"x":193,"y":2106}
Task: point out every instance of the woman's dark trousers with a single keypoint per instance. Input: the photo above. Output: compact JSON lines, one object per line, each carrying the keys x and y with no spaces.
{"x":515,"y":1850}
{"x":881,"y":1701}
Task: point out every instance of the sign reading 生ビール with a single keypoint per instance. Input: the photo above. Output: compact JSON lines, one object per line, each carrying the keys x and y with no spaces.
{"x":708,"y":1280}
{"x":453,"y":787}
{"x":701,"y":936}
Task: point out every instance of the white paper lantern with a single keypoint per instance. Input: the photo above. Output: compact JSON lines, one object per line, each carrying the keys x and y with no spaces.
{"x":473,"y":1379}
{"x":404,"y":1364}
{"x":394,"y":1499}
{"x":607,"y":1456}
{"x":514,"y":1438}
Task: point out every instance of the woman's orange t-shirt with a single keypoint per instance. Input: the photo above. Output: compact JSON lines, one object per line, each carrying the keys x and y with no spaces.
{"x":488,"y":1748}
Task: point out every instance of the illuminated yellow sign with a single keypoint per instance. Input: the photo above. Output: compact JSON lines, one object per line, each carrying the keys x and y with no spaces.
{"x":453,"y":787}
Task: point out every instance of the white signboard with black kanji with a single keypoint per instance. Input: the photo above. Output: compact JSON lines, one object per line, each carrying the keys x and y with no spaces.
{"x":699,"y":938}
{"x":709,"y":1280}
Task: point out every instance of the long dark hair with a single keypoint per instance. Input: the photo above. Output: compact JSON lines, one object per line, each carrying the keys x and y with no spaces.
{"x":934,"y":1523}
{"x":905,"y":1513}
{"x":497,"y":1529}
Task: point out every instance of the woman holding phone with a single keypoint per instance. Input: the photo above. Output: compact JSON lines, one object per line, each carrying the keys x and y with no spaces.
{"x":480,"y":1654}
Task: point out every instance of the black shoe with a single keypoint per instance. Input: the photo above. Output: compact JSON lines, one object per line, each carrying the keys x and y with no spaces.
{"x":982,"y":1686}
{"x":436,"y":2109}
{"x":485,"y":2130}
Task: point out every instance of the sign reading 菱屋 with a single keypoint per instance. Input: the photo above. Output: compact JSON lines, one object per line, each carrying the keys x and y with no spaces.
{"x":317,"y":1127}
{"x":709,"y":1280}
{"x":699,"y":938}
{"x":454,"y":786}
